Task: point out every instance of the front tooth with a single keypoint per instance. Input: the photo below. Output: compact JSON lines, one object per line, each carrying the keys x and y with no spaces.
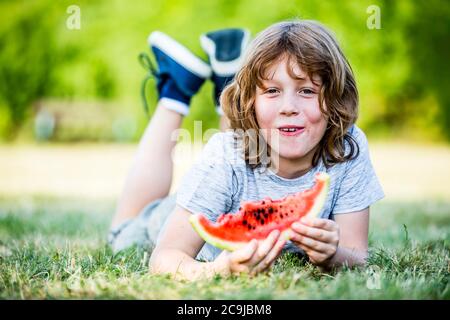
{"x":288,"y":129}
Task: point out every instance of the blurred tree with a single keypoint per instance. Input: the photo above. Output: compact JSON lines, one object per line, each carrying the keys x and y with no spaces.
{"x":27,"y":57}
{"x":401,"y":69}
{"x":429,"y":53}
{"x":103,"y":80}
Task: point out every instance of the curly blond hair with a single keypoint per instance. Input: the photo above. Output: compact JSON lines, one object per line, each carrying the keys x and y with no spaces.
{"x":316,"y":51}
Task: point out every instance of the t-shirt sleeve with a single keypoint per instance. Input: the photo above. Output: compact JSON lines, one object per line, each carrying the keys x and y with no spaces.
{"x":207,"y":187}
{"x":359,"y":187}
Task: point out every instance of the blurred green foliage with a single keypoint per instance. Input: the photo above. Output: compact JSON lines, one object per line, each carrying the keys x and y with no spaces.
{"x":402,"y":69}
{"x":27,"y":57}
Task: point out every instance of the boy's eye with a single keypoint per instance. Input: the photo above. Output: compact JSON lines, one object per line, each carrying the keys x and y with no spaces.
{"x":271,"y":91}
{"x":307,"y":92}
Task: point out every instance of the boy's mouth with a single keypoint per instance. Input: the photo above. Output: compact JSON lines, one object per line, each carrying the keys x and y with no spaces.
{"x":290,"y":130}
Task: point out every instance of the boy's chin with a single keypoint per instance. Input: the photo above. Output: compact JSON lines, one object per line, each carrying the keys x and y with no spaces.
{"x":290,"y":154}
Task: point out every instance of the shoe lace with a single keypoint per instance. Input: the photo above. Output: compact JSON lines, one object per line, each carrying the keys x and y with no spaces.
{"x":147,"y":64}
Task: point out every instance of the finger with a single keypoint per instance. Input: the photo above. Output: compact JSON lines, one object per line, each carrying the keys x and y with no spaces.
{"x":312,"y":253}
{"x":265,"y":246}
{"x":325,"y":224}
{"x":311,"y":243}
{"x":270,"y":257}
{"x":241,"y":268}
{"x":245,"y":253}
{"x":275,"y":252}
{"x":269,"y":242}
{"x":314,"y":233}
{"x":306,"y":249}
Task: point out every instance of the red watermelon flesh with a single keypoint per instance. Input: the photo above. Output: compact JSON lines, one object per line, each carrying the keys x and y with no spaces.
{"x":257,"y":219}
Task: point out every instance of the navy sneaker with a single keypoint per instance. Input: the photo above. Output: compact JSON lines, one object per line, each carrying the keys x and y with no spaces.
{"x":225,"y":50}
{"x":180,"y":73}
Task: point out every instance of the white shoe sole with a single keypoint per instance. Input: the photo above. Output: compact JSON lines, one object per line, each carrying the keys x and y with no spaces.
{"x":180,"y":54}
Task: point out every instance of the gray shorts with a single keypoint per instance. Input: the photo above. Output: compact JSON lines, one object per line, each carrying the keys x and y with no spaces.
{"x":144,"y":230}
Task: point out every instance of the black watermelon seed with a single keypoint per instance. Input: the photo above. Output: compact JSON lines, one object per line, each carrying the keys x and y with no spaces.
{"x":266,"y":216}
{"x":270,"y":210}
{"x":263,"y":202}
{"x":262,"y":221}
{"x":244,"y":222}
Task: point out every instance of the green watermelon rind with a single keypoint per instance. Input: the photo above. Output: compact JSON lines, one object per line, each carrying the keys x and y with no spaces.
{"x":217,"y":242}
{"x":286,"y":234}
{"x":320,"y":199}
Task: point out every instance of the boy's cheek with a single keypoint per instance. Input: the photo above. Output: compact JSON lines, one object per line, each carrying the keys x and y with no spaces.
{"x":314,"y":114}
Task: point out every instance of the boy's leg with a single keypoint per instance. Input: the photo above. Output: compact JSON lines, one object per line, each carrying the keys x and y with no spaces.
{"x":225,"y":49}
{"x":179,"y":77}
{"x":150,"y":175}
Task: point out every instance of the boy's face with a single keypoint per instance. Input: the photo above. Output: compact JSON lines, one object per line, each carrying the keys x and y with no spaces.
{"x":287,"y":111}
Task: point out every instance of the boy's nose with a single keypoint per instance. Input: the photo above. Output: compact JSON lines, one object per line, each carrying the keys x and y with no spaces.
{"x":289,"y":106}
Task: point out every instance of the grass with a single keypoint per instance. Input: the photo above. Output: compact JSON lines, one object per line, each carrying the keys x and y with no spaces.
{"x":54,"y":246}
{"x":56,"y":249}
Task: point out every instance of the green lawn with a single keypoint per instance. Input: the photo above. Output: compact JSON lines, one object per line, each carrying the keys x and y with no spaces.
{"x":57,"y":249}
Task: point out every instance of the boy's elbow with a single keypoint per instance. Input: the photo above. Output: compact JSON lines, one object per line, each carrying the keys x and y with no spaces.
{"x":349,"y":258}
{"x":165,"y":262}
{"x":155,"y":264}
{"x":360,"y":260}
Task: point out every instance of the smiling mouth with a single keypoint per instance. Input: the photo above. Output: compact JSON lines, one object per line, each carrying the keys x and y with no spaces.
{"x":290,"y":130}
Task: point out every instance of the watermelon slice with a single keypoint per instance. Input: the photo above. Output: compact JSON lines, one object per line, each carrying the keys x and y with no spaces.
{"x":256,"y":219}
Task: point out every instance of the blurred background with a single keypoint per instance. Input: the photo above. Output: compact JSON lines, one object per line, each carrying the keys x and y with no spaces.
{"x":70,"y":106}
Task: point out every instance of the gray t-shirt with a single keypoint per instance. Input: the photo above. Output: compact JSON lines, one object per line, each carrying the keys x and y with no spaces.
{"x":221,"y":179}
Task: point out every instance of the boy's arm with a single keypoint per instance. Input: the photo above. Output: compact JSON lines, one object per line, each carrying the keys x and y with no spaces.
{"x":175,"y":250}
{"x":179,"y":243}
{"x":353,"y":239}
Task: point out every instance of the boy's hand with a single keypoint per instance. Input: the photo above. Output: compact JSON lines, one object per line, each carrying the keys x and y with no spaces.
{"x":255,"y":257}
{"x":319,"y":238}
